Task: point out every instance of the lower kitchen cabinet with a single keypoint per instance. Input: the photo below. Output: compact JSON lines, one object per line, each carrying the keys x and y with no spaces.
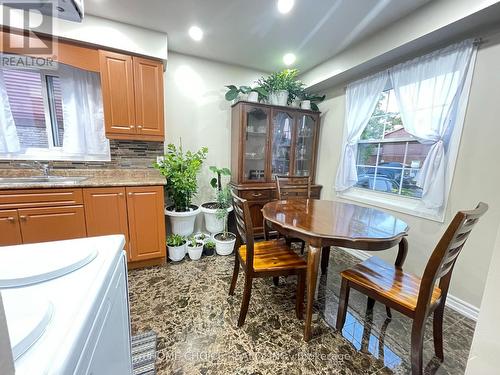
{"x":52,"y":223}
{"x":10,"y":229}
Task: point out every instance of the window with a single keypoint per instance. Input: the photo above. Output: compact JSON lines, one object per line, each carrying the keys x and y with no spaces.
{"x":388,"y":157}
{"x":52,"y":115}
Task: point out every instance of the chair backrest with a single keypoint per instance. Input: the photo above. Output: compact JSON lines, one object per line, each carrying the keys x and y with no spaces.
{"x":443,"y":258}
{"x":244,"y":226}
{"x":293,"y":187}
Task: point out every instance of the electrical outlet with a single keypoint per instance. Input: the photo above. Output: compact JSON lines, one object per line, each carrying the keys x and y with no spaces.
{"x":159,"y":159}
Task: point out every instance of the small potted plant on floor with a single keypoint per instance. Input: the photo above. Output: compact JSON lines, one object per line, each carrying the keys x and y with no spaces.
{"x":209,"y":248}
{"x":209,"y":209}
{"x":176,"y":247}
{"x":224,"y":241}
{"x":180,"y":170}
{"x":194,"y":248}
{"x":202,"y":237}
{"x":282,"y":87}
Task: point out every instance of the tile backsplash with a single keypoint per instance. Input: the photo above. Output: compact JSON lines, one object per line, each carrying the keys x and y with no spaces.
{"x":124,"y":154}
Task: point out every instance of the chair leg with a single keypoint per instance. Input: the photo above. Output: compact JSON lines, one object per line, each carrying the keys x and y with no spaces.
{"x":388,"y":311}
{"x":325,"y":257}
{"x":438,"y":332}
{"x":370,"y":303}
{"x":236,"y":271}
{"x":276,"y":280}
{"x":417,"y":343}
{"x":343,"y":302}
{"x":246,"y":300}
{"x":299,"y":303}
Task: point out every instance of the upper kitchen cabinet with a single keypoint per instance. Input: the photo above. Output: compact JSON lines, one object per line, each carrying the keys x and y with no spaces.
{"x":132,"y":90}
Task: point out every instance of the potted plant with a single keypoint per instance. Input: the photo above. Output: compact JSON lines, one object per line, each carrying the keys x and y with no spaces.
{"x":224,"y":240}
{"x":282,"y":87}
{"x":194,"y":248}
{"x":202,"y":237}
{"x":209,"y":209}
{"x":180,"y":170}
{"x":176,"y":247}
{"x":209,"y":248}
{"x":254,"y":94}
{"x":310,"y":101}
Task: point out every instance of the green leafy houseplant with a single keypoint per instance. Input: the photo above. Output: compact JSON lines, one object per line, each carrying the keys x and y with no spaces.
{"x":284,"y":80}
{"x":216,"y":182}
{"x":234,"y":91}
{"x":180,"y":170}
{"x":224,"y":202}
{"x":314,"y":99}
{"x":175,"y":240}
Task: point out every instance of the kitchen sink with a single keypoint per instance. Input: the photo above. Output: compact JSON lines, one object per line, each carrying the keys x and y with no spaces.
{"x":34,"y":179}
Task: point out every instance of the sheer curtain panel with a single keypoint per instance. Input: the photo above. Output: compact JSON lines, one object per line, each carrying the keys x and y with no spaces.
{"x":9,"y":141}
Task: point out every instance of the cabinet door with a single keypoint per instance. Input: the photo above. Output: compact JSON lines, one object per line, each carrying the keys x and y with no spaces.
{"x":282,"y":131}
{"x":255,"y":133}
{"x":106,"y":212}
{"x":304,"y":150}
{"x":117,"y":81}
{"x":52,"y":223}
{"x":146,"y":222}
{"x":10,"y":230}
{"x":148,"y":82}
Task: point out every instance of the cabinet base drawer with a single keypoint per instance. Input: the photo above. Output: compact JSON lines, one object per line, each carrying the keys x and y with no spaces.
{"x":40,"y":198}
{"x":254,"y":195}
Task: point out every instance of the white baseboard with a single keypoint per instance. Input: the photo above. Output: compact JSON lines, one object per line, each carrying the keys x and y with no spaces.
{"x":460,"y":306}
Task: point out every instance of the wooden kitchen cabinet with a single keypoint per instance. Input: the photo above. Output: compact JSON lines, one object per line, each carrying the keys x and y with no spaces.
{"x":106,"y":212}
{"x":52,"y":223}
{"x":146,"y":219}
{"x":10,"y":230}
{"x":132,"y":90}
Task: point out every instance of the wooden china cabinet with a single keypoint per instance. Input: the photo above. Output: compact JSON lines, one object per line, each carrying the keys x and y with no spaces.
{"x":266,"y":141}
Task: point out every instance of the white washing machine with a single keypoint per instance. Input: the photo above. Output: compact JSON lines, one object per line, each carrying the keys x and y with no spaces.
{"x":66,"y":306}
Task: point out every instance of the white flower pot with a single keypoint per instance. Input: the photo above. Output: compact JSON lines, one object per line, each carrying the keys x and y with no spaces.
{"x":199,"y":236}
{"x":195,"y":252}
{"x":305,"y":104}
{"x":279,"y":97}
{"x":253,"y":96}
{"x":183,"y":222}
{"x":176,"y":253}
{"x":224,"y":247}
{"x":212,"y":224}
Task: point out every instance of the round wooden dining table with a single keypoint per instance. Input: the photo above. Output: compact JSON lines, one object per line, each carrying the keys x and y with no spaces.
{"x":322,"y":223}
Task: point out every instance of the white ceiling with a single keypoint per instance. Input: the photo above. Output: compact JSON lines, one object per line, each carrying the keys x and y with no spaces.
{"x":252,"y":33}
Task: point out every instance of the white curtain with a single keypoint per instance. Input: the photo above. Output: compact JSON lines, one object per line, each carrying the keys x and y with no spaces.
{"x":428,"y":91}
{"x":361,"y":98}
{"x":9,"y":141}
{"x":83,"y":115}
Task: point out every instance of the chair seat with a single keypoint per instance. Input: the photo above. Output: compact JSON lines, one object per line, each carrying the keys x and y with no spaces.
{"x":273,"y":255}
{"x":388,"y":281}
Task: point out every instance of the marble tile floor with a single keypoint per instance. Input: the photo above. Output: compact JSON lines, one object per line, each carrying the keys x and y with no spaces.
{"x":187,"y":304}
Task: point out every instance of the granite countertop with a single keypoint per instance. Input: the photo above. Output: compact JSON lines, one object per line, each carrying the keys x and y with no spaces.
{"x":86,"y":178}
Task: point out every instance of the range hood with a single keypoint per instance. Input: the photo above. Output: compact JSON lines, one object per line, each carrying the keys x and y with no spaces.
{"x":71,"y":10}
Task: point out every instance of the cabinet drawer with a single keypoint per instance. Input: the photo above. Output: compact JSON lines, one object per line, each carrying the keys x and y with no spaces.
{"x":254,"y":195}
{"x":40,"y":198}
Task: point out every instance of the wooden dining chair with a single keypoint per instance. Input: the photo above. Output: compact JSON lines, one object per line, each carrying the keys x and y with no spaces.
{"x":263,"y":259}
{"x":411,"y":295}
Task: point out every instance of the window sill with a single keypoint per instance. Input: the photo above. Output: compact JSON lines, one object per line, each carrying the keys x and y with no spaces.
{"x":409,"y":206}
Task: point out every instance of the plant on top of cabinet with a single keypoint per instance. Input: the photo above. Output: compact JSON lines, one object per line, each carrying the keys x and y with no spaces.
{"x":309,"y":101}
{"x":180,"y":170}
{"x":195,"y":248}
{"x":224,"y":240}
{"x":254,"y":94}
{"x":209,"y":209}
{"x":283,"y":87}
{"x":176,"y":247}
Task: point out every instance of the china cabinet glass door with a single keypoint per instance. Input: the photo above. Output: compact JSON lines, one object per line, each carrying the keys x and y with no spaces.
{"x":256,"y":133}
{"x":304,"y":145}
{"x":281,"y":143}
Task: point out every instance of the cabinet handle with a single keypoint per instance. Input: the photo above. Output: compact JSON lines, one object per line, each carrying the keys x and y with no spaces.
{"x":130,"y":194}
{"x":256,"y":194}
{"x":120,"y":194}
{"x":11,"y":219}
{"x":131,"y":126}
{"x":23,"y":217}
{"x":140,"y":126}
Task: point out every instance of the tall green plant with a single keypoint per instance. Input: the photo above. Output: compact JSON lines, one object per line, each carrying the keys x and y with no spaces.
{"x":224,"y":200}
{"x":285,"y":80}
{"x":216,"y":182}
{"x":180,"y":170}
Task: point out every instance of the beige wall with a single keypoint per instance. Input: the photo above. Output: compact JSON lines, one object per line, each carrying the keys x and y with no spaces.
{"x":476,"y":177}
{"x":196,"y":110}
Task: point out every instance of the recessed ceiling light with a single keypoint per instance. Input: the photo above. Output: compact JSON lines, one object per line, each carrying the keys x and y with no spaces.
{"x":285,"y":6}
{"x":289,"y":58}
{"x":196,"y":33}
